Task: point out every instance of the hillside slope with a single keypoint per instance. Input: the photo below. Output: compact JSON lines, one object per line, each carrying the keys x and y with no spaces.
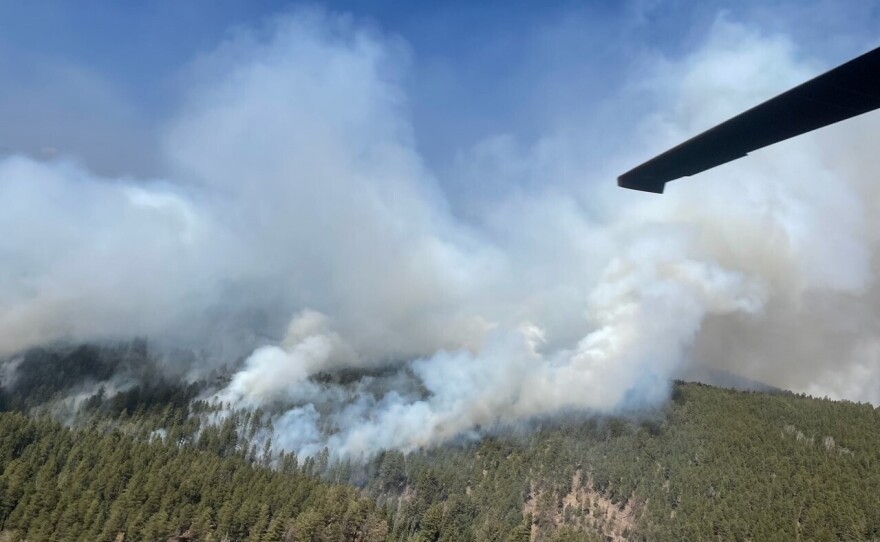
{"x":717,"y":464}
{"x":710,"y":464}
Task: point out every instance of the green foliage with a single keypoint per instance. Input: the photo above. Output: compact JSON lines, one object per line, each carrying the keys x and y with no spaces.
{"x":715,"y":464}
{"x":63,"y":484}
{"x":153,"y":462}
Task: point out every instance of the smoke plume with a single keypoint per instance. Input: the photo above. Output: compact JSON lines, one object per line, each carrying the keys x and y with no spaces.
{"x":294,"y":185}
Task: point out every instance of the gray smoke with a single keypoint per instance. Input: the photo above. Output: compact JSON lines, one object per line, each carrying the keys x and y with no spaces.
{"x":295,"y":186}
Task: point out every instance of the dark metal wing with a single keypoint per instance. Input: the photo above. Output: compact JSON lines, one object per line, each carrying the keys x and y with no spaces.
{"x":841,"y":93}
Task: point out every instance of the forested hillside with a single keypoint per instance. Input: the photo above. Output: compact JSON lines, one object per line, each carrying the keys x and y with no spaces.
{"x":716,"y":465}
{"x":154,"y":462}
{"x":62,"y":484}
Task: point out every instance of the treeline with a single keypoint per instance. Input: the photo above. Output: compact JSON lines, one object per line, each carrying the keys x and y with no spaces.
{"x":715,"y":465}
{"x":87,"y":485}
{"x":38,"y":377}
{"x":154,"y":461}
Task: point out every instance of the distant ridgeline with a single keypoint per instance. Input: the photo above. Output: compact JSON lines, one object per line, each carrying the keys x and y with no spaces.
{"x":151,"y":463}
{"x":40,"y":377}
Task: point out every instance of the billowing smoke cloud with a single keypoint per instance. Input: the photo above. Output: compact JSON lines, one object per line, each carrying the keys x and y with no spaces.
{"x":294,"y":185}
{"x":645,"y":312}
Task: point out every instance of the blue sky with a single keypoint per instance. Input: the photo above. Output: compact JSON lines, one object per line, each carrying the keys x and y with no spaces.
{"x":112,"y":72}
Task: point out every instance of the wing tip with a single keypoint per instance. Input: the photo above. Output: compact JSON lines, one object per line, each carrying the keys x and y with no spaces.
{"x":642,"y":184}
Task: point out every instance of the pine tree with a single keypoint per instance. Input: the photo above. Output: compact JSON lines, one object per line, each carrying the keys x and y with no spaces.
{"x":522,"y":532}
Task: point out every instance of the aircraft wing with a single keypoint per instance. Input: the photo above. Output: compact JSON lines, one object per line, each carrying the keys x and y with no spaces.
{"x":846,"y":91}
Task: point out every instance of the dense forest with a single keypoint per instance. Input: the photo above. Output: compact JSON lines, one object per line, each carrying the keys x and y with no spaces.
{"x":63,"y":484}
{"x":152,"y":463}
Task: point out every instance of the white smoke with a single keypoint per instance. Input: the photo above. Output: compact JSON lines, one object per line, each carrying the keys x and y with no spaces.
{"x":645,"y":311}
{"x":294,"y":185}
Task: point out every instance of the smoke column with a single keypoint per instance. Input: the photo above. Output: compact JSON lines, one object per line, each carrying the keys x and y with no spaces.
{"x":294,"y":186}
